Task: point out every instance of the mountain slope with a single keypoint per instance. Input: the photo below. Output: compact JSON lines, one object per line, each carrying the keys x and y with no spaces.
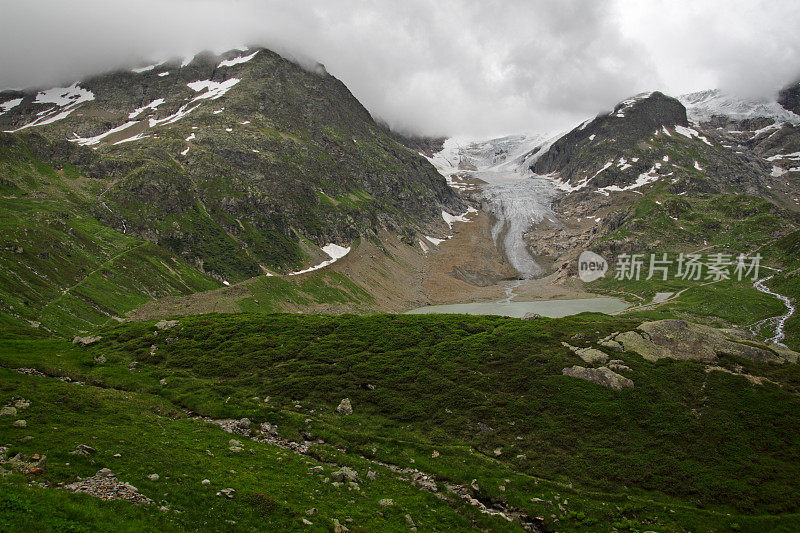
{"x":61,"y":269}
{"x":240,"y":163}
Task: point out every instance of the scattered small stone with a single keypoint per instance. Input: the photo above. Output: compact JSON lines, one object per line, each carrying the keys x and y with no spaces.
{"x":484,"y":428}
{"x":105,"y":485}
{"x":206,"y":482}
{"x":339,"y":528}
{"x":345,"y":474}
{"x":153,"y":477}
{"x":82,"y":449}
{"x":8,"y":411}
{"x":312,"y":511}
{"x":100,"y":359}
{"x":20,"y":424}
{"x":269,"y":429}
{"x":318,"y":470}
{"x":308,"y":522}
{"x":117,"y":455}
{"x":31,"y":372}
{"x":34,"y":465}
{"x":386,"y":502}
{"x":86,"y":341}
{"x":228,"y":493}
{"x":166,"y":324}
{"x":163,"y":382}
{"x":153,"y":349}
{"x":345,"y":407}
{"x":354,"y":486}
{"x":435,"y":454}
{"x":371,"y":475}
{"x":22,"y":403}
{"x":498,"y":452}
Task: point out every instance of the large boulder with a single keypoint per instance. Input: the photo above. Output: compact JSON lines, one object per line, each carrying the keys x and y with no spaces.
{"x":602,"y":376}
{"x":345,"y":407}
{"x":678,"y":339}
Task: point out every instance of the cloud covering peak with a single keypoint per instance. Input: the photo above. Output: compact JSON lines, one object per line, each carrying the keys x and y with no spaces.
{"x":434,"y":67}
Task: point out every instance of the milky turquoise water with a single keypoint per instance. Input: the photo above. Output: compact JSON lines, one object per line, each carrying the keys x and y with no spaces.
{"x":548,"y":308}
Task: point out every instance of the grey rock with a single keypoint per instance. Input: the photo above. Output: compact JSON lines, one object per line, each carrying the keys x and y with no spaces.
{"x":678,"y":339}
{"x":8,"y":411}
{"x":86,"y":341}
{"x":345,"y":473}
{"x":345,"y":407}
{"x":166,"y":324}
{"x":601,"y":376}
{"x":83,"y":449}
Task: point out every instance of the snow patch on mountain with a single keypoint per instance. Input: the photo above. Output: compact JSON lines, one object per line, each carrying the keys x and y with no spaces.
{"x":648,"y":177}
{"x":175,"y":117}
{"x":691,"y":132}
{"x":703,"y":105}
{"x":9,"y":105}
{"x":334,"y":251}
{"x":214,"y":89}
{"x":237,"y":60}
{"x":630,"y":102}
{"x":463,"y":217}
{"x":64,"y":100}
{"x":90,"y":141}
{"x":152,"y":105}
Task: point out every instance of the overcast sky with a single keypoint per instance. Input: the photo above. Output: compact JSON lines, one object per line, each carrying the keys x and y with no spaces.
{"x":436,"y":67}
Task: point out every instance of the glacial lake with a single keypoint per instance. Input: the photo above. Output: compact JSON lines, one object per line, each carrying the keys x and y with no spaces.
{"x":548,"y":308}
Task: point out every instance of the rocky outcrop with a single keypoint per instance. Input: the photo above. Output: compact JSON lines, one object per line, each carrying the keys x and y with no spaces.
{"x":345,"y":407}
{"x":587,"y":148}
{"x":86,"y":341}
{"x":678,"y":339}
{"x":602,"y":376}
{"x":105,"y":485}
{"x":589,"y":355}
{"x":789,"y":98}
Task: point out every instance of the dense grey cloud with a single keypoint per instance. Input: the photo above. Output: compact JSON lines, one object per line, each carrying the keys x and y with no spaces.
{"x":433,"y":67}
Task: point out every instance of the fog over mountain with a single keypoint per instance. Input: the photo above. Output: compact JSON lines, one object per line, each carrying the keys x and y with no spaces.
{"x":434,"y":68}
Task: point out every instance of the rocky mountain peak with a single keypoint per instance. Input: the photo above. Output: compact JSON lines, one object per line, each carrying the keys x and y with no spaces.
{"x":609,"y":136}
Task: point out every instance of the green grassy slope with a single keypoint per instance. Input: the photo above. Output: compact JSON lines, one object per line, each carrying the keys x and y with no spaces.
{"x":60,"y":268}
{"x":685,"y":449}
{"x":706,"y":224}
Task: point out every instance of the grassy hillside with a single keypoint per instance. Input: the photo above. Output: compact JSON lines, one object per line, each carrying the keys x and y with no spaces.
{"x":60,"y":268}
{"x":478,"y":402}
{"x":705,"y":224}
